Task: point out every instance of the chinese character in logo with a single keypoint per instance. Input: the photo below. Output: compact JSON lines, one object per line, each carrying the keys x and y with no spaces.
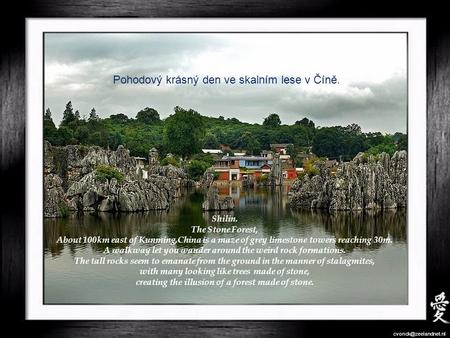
{"x":439,"y":305}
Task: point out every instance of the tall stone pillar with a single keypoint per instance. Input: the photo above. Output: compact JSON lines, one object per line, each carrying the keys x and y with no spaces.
{"x":153,"y":157}
{"x":276,"y":173}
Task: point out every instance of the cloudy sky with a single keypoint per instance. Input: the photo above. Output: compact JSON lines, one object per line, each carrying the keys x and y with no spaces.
{"x":371,"y":69}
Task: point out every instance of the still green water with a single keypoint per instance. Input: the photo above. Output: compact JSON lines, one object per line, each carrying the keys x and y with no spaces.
{"x":267,"y":210}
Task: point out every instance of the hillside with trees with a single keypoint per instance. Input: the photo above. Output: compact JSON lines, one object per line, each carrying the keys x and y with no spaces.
{"x":186,"y":132}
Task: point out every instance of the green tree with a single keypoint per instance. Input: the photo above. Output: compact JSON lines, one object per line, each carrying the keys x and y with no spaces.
{"x":115,"y":139}
{"x":81,"y":133}
{"x":207,"y":158}
{"x":210,"y":141}
{"x":93,"y":115}
{"x":48,"y":115}
{"x":374,"y":138}
{"x":273,"y":120}
{"x":148,"y":115}
{"x":99,"y":137}
{"x":249,"y":142}
{"x":50,"y":131}
{"x":253,"y":147}
{"x":402,"y":143}
{"x":305,"y":122}
{"x":119,"y":118}
{"x":68,"y":115}
{"x":301,"y":136}
{"x":64,"y":136}
{"x":354,"y":129}
{"x":196,"y":169}
{"x":382,"y":148}
{"x":338,"y":142}
{"x":291,"y":151}
{"x":170,"y":160}
{"x":401,"y":140}
{"x":183,"y":132}
{"x":310,"y":167}
{"x":387,"y":145}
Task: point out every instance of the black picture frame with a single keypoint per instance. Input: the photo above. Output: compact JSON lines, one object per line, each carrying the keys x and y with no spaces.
{"x":12,"y":160}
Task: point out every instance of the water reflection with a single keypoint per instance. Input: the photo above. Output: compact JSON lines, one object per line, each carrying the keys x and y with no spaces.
{"x":188,"y":215}
{"x":105,"y":225}
{"x":369,"y":224}
{"x":265,"y":208}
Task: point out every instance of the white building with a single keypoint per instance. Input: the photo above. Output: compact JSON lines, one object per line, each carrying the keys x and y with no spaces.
{"x":212,"y":151}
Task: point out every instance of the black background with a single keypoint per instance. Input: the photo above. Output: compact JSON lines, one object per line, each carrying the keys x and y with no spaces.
{"x":12,"y":159}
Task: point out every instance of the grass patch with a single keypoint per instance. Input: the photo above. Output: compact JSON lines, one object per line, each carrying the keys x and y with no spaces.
{"x":64,"y":209}
{"x":105,"y":173}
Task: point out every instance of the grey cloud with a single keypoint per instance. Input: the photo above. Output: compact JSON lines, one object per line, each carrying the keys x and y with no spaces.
{"x":77,"y":47}
{"x":97,"y":57}
{"x":383,"y":108}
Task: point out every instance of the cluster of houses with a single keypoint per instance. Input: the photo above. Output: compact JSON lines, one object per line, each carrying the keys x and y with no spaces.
{"x":241,"y":167}
{"x":235,"y":165}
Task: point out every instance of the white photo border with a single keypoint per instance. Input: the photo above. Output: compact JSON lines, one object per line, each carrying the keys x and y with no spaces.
{"x":416,"y":219}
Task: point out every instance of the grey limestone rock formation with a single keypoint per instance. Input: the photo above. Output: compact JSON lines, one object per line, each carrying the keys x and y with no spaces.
{"x":153,"y":157}
{"x":215,"y":202}
{"x":71,"y":182}
{"x":366,"y":182}
{"x":53,"y":196}
{"x":168,"y":171}
{"x":73,"y":162}
{"x":276,"y":172}
{"x":207,"y":178}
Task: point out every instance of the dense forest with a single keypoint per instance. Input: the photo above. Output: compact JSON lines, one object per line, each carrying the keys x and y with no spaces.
{"x":185,"y":132}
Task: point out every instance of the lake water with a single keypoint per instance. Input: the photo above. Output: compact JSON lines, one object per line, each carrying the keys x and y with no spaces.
{"x":266,"y":209}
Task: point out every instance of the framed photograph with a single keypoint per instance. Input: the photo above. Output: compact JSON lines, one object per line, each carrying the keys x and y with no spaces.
{"x":226,"y":169}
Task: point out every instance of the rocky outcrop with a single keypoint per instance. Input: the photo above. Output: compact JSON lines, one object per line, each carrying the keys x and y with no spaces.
{"x":366,"y":182}
{"x":276,"y":172}
{"x":73,"y":162}
{"x":207,"y":179}
{"x":215,"y":202}
{"x":171,"y":172}
{"x":54,"y":199}
{"x":89,"y":195}
{"x":168,"y":171}
{"x":71,"y":182}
